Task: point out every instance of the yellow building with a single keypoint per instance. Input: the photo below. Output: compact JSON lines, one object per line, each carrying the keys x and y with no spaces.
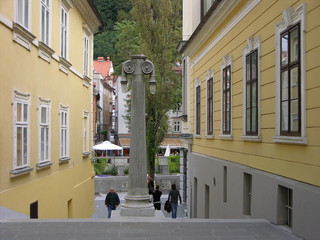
{"x":46,"y":93}
{"x":251,"y":91}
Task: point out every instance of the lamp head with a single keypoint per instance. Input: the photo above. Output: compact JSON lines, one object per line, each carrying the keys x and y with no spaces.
{"x":152,"y":83}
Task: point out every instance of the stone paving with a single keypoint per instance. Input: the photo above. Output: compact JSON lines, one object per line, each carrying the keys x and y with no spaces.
{"x":162,"y":226}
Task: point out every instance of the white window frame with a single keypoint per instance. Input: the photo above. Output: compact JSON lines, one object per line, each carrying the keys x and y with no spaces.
{"x":64,"y":145}
{"x":22,"y":22}
{"x":253,"y":43}
{"x":43,"y":103}
{"x":64,"y":30}
{"x":25,"y":99}
{"x":45,"y":27}
{"x":291,"y":17}
{"x":197,"y":84}
{"x":208,"y":77}
{"x":86,"y":55}
{"x":86,"y":133}
{"x":226,"y":61}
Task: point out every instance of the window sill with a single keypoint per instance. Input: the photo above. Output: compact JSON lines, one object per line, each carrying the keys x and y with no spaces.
{"x":64,"y":160}
{"x":43,"y":165}
{"x":64,"y":65}
{"x":86,"y":81}
{"x":290,"y":140}
{"x":197,"y":136}
{"x":20,"y":171}
{"x":210,"y":136}
{"x":22,"y":36}
{"x":251,"y":138}
{"x":45,"y":52}
{"x":85,"y":154}
{"x":226,"y":137}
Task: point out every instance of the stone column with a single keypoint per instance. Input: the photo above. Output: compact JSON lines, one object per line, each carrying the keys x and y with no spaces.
{"x":137,"y":201}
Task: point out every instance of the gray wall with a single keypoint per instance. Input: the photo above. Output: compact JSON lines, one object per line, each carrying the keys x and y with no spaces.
{"x":265,"y":197}
{"x":120,"y":183}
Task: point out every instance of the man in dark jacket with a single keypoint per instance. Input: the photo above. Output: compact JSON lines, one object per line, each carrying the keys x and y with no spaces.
{"x":112,"y":201}
{"x":156,"y":198}
{"x":173,"y":198}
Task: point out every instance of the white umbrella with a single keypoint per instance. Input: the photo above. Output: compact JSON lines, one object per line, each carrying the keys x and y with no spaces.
{"x":106,"y":145}
{"x":167,"y":153}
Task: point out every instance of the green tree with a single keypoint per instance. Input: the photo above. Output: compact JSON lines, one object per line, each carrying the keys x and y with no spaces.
{"x":159,"y":23}
{"x":111,"y":12}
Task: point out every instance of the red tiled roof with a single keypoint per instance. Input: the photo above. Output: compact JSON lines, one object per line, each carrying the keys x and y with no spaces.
{"x":103,"y":66}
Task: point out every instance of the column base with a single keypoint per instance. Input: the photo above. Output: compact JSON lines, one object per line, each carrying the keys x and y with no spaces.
{"x":137,"y":206}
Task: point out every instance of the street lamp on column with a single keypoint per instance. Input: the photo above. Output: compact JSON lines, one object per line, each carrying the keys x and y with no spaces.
{"x":137,"y":200}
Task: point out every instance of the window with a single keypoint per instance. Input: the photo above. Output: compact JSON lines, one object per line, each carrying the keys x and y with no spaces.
{"x":225,"y":184}
{"x":205,"y":6}
{"x":64,"y":132}
{"x":247,"y":193}
{"x":210,"y":106}
{"x":252,"y":93}
{"x":285,"y":206}
{"x":45,"y":21}
{"x":291,"y":77}
{"x":86,"y":55}
{"x":198,"y":111}
{"x":64,"y":32}
{"x":44,"y":131}
{"x":86,"y":133}
{"x":290,"y":97}
{"x":226,"y":100}
{"x":21,"y":130}
{"x":23,"y":13}
{"x":176,"y":126}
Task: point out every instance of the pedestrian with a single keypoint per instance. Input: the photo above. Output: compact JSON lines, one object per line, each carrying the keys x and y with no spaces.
{"x":150,"y":185}
{"x":112,"y":201}
{"x":173,"y":198}
{"x":156,"y":198}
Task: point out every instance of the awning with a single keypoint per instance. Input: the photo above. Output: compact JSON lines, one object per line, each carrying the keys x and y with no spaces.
{"x":174,"y":143}
{"x":106,"y":145}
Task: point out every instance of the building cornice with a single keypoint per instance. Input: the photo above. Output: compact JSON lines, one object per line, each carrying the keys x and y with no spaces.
{"x":88,"y":9}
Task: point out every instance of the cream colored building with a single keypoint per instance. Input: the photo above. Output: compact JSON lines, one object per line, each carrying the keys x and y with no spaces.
{"x":251,"y":97}
{"x":46,"y":98}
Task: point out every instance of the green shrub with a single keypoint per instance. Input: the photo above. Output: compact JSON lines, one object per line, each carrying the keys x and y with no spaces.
{"x":100,"y":166}
{"x":112,"y":171}
{"x":126,"y":170}
{"x":174,"y":164}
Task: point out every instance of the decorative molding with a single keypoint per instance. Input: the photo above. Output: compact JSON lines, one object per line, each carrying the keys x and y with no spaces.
{"x":6,"y":22}
{"x":226,"y":137}
{"x":45,"y":52}
{"x":67,"y":4}
{"x":44,"y":165}
{"x":64,"y":159}
{"x":21,"y":96}
{"x":251,"y":138}
{"x":87,"y":29}
{"x":290,"y":140}
{"x":226,"y":30}
{"x":291,"y":16}
{"x":21,"y":171}
{"x":85,"y":114}
{"x":64,"y":65}
{"x":72,"y":69}
{"x":22,"y":36}
{"x":64,"y":107}
{"x":44,"y":101}
{"x":226,"y":61}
